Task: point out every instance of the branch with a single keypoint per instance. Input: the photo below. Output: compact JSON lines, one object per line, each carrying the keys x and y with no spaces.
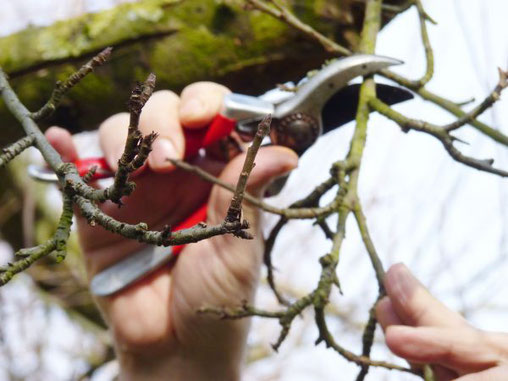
{"x":429,"y":54}
{"x":283,"y":13}
{"x":10,"y":152}
{"x":234,"y":212}
{"x":57,"y":243}
{"x":449,"y":106}
{"x":482,"y":107}
{"x":289,"y":213}
{"x":439,"y":133}
{"x":62,"y":88}
{"x":137,"y":148}
{"x":140,"y":232}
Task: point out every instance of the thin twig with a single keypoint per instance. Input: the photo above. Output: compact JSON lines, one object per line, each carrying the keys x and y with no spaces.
{"x":234,"y":212}
{"x":429,"y":53}
{"x":439,"y":133}
{"x":368,"y":337}
{"x":10,"y":152}
{"x":289,"y":213}
{"x":482,"y":107}
{"x":369,"y":245}
{"x":62,"y":88}
{"x":328,"y":339}
{"x":282,"y":13}
{"x":137,"y":148}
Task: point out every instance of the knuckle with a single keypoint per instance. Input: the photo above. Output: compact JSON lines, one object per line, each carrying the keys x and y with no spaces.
{"x":163,"y":96}
{"x":204,"y":87}
{"x":113,"y":122}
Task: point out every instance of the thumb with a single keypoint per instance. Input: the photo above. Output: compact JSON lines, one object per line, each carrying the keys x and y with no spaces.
{"x":271,"y":162}
{"x":242,"y":257}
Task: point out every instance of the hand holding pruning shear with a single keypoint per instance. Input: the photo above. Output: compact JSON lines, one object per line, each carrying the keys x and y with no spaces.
{"x":157,"y":333}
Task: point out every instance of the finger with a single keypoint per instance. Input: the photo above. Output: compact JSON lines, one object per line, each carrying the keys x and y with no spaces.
{"x":497,"y":373}
{"x":61,"y":140}
{"x":112,"y":136}
{"x":413,"y":304}
{"x":160,"y":115}
{"x":385,"y":314}
{"x":200,"y":103}
{"x":387,"y":317}
{"x":461,"y":349}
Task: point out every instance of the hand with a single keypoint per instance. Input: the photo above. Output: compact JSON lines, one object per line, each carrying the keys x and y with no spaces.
{"x":157,"y":332}
{"x":421,"y":329}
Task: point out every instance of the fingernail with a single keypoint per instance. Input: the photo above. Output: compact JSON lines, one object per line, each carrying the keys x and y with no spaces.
{"x":162,"y":149}
{"x":192,"y":109}
{"x":401,"y":282}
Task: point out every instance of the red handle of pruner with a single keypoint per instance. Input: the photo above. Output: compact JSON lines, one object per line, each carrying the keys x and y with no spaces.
{"x":102,"y":169}
{"x":195,"y":139}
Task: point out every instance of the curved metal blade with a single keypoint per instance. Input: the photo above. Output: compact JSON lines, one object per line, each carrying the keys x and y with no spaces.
{"x":42,"y":173}
{"x":313,"y":94}
{"x":127,"y":271}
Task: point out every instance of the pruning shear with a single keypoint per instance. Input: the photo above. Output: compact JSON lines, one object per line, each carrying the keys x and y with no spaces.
{"x":320,"y":104}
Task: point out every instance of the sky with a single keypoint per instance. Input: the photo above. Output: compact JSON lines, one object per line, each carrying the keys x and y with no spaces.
{"x":447,"y":222}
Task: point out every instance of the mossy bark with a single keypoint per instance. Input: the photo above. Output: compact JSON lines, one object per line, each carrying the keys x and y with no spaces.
{"x":182,"y":41}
